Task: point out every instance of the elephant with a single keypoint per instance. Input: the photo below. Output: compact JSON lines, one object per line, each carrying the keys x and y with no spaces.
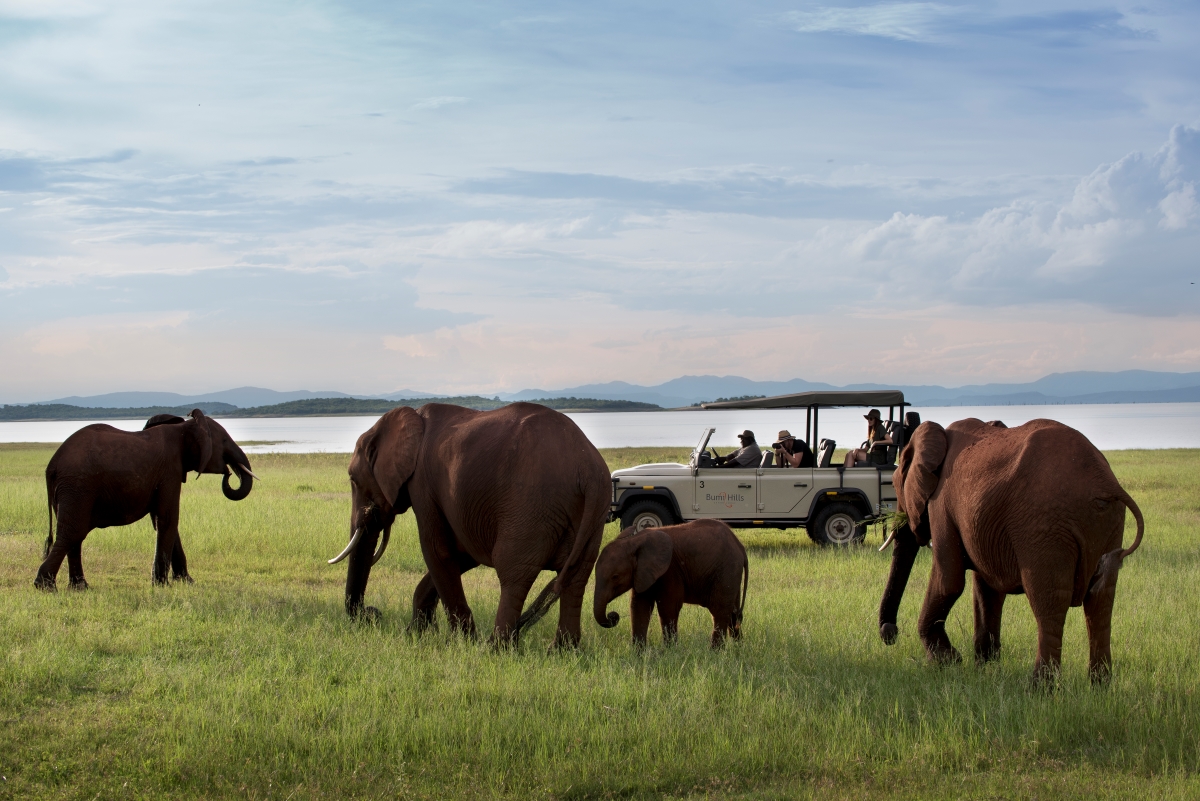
{"x":1033,"y":509}
{"x":103,"y":476}
{"x":519,"y":489}
{"x":700,"y":562}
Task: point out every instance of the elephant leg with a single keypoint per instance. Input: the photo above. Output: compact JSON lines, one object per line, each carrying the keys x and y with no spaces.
{"x":640,"y":609}
{"x":668,"y":618}
{"x":514,"y":589}
{"x":989,"y":606}
{"x":1050,"y":600}
{"x":179,"y":571}
{"x":75,"y":566}
{"x":570,"y":607}
{"x":70,"y":530}
{"x":722,"y":625}
{"x":1097,"y":610}
{"x":946,"y":584}
{"x":168,"y":535}
{"x":425,"y":601}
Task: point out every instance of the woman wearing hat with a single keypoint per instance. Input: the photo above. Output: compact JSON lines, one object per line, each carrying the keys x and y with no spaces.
{"x":877,"y":443}
{"x":792,"y":452}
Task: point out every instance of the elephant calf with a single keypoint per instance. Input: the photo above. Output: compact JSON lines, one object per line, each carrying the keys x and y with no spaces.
{"x":700,"y":562}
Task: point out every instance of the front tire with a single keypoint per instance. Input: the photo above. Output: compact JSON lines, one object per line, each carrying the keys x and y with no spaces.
{"x":838,"y":524}
{"x":646,"y":514}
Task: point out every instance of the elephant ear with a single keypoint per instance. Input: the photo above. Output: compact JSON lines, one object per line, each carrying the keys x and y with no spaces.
{"x":916,"y":476}
{"x":162,"y":420}
{"x":385,"y":456}
{"x":198,"y":442}
{"x":653,"y":558}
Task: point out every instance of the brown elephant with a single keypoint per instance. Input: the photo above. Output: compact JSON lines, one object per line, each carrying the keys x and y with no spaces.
{"x":102,"y":476}
{"x":1034,"y":509}
{"x":700,"y":562}
{"x":519,"y":489}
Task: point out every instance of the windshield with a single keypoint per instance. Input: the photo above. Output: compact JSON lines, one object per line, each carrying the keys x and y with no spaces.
{"x":702,"y":444}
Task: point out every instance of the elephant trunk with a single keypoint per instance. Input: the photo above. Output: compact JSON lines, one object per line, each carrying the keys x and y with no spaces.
{"x":903,"y":556}
{"x":245,"y":481}
{"x":358,"y":572}
{"x":600,"y":609}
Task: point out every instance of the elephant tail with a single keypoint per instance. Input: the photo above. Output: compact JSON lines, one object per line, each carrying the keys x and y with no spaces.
{"x":1141,"y":524}
{"x":538,"y":609}
{"x":50,"y":487}
{"x":745,"y":585}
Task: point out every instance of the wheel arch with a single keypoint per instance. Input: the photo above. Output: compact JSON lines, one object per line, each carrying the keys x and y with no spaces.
{"x":849,"y":495}
{"x":660,"y":494}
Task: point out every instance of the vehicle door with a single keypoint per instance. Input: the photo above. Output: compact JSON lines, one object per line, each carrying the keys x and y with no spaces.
{"x":726,"y":492}
{"x":784,"y":492}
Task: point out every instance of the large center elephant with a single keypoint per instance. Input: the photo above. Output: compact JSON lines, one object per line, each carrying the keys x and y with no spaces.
{"x":1034,"y":509}
{"x":519,"y":489}
{"x":102,"y":476}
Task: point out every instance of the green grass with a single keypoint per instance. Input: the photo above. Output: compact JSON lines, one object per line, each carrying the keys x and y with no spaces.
{"x":252,"y":683}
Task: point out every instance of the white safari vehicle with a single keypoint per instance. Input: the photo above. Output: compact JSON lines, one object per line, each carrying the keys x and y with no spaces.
{"x":834,"y":503}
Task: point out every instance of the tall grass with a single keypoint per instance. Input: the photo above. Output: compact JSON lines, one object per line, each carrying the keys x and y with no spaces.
{"x":253,"y":683}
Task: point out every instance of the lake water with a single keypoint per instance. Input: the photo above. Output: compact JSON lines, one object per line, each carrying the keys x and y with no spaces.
{"x":1110,"y":426}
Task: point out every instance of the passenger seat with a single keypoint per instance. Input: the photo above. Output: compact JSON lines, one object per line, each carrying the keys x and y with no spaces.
{"x":768,"y":458}
{"x":891,"y":427}
{"x":825,"y":452}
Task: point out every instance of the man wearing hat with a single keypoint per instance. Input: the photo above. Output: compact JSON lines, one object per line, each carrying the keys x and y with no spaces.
{"x":877,"y":443}
{"x":749,"y":455}
{"x":792,"y":452}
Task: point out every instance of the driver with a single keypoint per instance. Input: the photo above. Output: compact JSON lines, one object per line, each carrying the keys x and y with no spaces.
{"x":749,"y":455}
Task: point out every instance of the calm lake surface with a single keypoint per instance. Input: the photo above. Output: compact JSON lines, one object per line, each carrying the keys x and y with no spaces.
{"x":1110,"y":426}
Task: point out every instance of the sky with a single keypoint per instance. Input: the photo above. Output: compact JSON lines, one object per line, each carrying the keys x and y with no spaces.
{"x":476,"y":198}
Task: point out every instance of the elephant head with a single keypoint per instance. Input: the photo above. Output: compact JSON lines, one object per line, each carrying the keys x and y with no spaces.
{"x":630,"y":561}
{"x":208,"y":448}
{"x":915,"y":479}
{"x":385,"y":458}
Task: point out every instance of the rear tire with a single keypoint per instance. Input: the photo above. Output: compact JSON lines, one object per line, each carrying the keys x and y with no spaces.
{"x":838,"y":524}
{"x":646,"y":514}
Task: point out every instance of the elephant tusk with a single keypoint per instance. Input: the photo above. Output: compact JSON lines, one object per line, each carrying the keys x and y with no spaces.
{"x":888,"y":541}
{"x":247,"y":471}
{"x":358,"y":532}
{"x":387,"y":535}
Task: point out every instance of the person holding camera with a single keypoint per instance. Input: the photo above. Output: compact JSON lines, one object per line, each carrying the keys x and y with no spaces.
{"x":792,"y":452}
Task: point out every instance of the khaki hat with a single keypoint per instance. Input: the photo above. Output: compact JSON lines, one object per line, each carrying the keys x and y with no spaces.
{"x":747,"y":434}
{"x":784,"y":434}
{"x":873,"y":413}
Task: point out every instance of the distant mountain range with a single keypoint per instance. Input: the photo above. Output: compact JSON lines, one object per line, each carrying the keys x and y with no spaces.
{"x":1127,"y":386}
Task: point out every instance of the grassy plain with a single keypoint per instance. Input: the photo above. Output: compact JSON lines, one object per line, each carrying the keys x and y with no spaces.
{"x":252,"y":683}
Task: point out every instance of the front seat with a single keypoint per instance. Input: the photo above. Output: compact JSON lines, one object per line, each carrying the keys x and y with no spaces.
{"x":825,"y":452}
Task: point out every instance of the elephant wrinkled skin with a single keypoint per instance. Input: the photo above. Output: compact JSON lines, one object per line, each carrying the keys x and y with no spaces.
{"x":519,"y":489}
{"x":1034,"y":509}
{"x":701,"y":562}
{"x":102,"y":476}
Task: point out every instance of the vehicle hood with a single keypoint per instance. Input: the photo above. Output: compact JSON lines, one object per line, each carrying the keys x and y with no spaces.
{"x":643,"y":470}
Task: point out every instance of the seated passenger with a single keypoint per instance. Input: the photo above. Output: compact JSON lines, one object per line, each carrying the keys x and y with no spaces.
{"x":911,"y":421}
{"x":792,"y":452}
{"x":749,"y":455}
{"x":877,"y":444}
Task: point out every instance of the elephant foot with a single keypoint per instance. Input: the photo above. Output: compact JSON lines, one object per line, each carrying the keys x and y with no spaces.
{"x":1044,"y":678}
{"x":944,"y":656}
{"x":888,"y":632}
{"x":1101,"y":675}
{"x":367,"y":614}
{"x":185,"y":578}
{"x":421,"y":622}
{"x":79,"y":585}
{"x":564,"y":641}
{"x":45,"y":584}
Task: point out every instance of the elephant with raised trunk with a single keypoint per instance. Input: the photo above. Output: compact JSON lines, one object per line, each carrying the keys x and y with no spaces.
{"x":103,"y":476}
{"x":519,"y":489}
{"x":1034,"y":509}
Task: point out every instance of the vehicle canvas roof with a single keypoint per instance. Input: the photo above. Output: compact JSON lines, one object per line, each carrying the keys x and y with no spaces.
{"x":802,"y":400}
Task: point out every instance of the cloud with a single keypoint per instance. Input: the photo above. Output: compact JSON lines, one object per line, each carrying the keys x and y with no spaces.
{"x":437,"y":102}
{"x":903,"y":21}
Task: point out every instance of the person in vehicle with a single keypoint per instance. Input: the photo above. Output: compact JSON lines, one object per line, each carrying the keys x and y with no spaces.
{"x":877,"y":444}
{"x":749,"y":455}
{"x":792,"y":452}
{"x":911,"y":421}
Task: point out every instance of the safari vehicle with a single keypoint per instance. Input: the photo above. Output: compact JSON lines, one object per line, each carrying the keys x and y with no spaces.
{"x":834,"y":503}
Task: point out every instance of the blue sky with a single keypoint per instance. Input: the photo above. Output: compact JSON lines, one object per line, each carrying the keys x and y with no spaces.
{"x":478,"y":198}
